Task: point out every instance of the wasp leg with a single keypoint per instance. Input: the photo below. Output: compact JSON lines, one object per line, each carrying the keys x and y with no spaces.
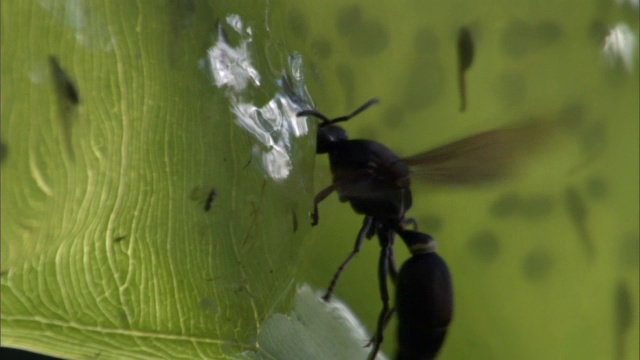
{"x":368,"y":220}
{"x":385,"y":313}
{"x":393,"y":269}
{"x":321,"y":196}
{"x":385,"y":322}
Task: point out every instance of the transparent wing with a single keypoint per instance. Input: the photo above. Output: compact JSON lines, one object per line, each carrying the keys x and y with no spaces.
{"x":482,"y":158}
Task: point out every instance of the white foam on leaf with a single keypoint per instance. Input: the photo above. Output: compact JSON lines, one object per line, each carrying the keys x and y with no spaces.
{"x":274,"y":124}
{"x":620,"y":46}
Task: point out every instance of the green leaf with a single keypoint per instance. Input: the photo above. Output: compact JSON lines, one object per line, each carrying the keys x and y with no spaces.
{"x":137,"y":222}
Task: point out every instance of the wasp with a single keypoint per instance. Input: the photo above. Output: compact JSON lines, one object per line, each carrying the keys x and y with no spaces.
{"x":377,"y":183}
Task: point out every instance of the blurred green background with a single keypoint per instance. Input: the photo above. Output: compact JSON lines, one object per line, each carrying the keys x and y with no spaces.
{"x":525,"y":285}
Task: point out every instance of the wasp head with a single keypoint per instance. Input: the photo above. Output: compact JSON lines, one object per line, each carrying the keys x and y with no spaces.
{"x":329,"y":134}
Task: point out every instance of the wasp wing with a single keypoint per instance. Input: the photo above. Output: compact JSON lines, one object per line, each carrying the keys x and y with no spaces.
{"x":481,"y":158}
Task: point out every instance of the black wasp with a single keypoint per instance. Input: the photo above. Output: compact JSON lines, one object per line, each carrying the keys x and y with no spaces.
{"x":376,"y":182}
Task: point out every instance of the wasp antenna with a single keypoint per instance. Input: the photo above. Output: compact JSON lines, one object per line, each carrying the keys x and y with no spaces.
{"x":358,"y":111}
{"x":325,"y":120}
